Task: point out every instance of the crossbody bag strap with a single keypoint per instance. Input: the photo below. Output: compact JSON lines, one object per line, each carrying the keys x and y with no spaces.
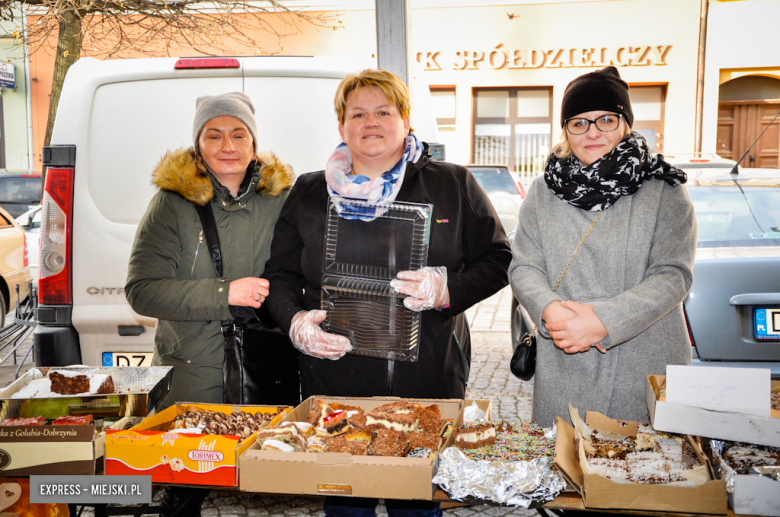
{"x":211,"y":235}
{"x":572,"y":257}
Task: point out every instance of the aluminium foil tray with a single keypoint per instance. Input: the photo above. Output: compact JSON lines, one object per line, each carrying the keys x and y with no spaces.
{"x":136,"y":391}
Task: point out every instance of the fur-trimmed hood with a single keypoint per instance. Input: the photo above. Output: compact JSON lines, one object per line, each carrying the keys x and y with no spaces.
{"x":181,"y":171}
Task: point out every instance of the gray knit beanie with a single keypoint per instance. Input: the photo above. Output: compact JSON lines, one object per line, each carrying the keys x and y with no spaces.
{"x":233,"y":104}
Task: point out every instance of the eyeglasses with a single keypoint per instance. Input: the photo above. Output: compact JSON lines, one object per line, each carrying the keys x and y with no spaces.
{"x":605,"y":124}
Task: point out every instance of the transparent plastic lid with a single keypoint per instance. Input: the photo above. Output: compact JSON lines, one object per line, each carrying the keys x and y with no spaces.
{"x":394,"y":239}
{"x":366,"y":245}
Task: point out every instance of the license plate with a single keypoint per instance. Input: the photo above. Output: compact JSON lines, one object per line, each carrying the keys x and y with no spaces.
{"x":127,"y":359}
{"x":766,"y":323}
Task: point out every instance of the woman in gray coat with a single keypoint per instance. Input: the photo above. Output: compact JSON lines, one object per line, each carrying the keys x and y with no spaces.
{"x":617,"y":314}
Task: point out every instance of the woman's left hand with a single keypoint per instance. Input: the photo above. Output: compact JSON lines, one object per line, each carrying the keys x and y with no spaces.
{"x":427,"y":288}
{"x":579,"y":333}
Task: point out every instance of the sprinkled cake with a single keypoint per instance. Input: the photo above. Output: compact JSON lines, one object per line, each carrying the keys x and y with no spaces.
{"x":519,"y":441}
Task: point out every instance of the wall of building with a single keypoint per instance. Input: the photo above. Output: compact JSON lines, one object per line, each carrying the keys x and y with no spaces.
{"x":650,"y":41}
{"x":14,"y":104}
{"x":741,"y":40}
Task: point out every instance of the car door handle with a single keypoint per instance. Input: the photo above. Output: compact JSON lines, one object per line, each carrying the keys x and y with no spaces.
{"x":755,"y":299}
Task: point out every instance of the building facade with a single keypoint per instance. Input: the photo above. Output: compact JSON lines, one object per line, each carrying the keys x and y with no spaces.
{"x":742,"y":84}
{"x":498,"y":69}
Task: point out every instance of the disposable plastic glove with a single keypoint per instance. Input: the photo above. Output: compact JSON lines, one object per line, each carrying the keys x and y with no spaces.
{"x":307,"y":336}
{"x":427,"y":288}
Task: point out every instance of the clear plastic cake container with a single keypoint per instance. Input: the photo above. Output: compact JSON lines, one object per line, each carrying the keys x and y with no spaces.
{"x":366,"y":245}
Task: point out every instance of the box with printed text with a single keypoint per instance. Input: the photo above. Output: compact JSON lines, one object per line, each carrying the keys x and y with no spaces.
{"x":153,"y":448}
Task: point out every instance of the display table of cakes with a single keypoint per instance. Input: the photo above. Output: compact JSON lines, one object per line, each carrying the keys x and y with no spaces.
{"x":447,"y":450}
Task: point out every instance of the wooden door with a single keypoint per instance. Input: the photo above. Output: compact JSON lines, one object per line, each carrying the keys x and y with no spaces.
{"x":740,"y":123}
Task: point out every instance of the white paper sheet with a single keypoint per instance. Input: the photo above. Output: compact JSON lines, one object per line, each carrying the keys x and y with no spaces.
{"x":738,"y":390}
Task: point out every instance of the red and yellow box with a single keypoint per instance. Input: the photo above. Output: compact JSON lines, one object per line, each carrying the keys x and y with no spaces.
{"x":193,"y":459}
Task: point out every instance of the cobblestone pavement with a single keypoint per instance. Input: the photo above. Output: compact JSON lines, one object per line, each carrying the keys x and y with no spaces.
{"x":489,"y":378}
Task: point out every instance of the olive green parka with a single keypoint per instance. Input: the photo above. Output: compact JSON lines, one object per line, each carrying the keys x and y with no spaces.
{"x":171,"y":275}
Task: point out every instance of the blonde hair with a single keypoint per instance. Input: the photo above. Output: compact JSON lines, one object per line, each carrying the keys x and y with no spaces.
{"x":391,"y":85}
{"x":563,"y":149}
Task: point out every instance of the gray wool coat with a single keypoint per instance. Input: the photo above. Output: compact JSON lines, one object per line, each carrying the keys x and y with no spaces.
{"x":639,"y":256}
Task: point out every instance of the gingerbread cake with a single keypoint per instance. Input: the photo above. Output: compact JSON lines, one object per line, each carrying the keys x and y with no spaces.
{"x":71,"y":383}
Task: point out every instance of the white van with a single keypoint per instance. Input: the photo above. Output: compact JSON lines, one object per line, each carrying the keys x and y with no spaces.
{"x":115,"y":121}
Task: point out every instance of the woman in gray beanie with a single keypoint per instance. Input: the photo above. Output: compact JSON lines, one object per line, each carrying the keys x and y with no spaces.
{"x":171,"y":275}
{"x":617,"y":313}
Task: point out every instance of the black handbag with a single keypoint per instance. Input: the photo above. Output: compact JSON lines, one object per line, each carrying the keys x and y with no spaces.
{"x":261,"y":365}
{"x":523,"y":362}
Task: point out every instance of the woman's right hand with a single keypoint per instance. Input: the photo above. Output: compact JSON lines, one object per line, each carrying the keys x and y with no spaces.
{"x":307,"y":336}
{"x":248,"y":292}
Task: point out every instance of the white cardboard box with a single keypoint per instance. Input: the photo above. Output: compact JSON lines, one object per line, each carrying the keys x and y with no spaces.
{"x":738,"y":427}
{"x":755,"y":495}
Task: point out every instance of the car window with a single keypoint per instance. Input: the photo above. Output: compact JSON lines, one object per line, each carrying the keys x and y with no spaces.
{"x":495,"y":179}
{"x":36,"y":219}
{"x":20,"y":190}
{"x":729,"y":217}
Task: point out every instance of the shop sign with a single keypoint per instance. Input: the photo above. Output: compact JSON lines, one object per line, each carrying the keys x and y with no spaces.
{"x":501,"y":58}
{"x":7,"y":76}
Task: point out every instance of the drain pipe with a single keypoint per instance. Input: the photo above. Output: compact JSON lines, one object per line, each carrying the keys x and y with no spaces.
{"x":697,"y":138}
{"x":28,"y":88}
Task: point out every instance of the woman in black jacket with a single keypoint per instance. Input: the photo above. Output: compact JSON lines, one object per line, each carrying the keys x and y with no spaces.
{"x":381,"y":160}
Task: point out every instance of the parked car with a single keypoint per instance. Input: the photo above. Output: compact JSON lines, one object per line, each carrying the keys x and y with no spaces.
{"x":733,"y":308}
{"x":19,"y":192}
{"x":504,"y":190}
{"x":688,"y":161}
{"x":13,"y":265}
{"x":30,"y":222}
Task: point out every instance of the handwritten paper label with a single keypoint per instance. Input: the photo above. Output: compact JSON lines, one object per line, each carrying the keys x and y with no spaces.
{"x":738,"y":390}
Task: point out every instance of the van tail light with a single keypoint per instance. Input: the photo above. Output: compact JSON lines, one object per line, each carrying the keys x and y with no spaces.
{"x":26,"y":256}
{"x":688,"y":326}
{"x":55,"y":283}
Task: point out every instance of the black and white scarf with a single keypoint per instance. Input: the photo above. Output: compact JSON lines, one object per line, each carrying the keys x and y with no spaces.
{"x":620,"y":172}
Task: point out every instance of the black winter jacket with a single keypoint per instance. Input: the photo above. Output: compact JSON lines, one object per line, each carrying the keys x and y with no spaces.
{"x":466,"y":237}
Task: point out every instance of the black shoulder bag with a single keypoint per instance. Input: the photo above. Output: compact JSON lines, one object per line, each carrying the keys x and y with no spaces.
{"x":523,"y":362}
{"x":261,"y":365}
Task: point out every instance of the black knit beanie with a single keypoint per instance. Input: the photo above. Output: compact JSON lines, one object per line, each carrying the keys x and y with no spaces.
{"x":602,"y":90}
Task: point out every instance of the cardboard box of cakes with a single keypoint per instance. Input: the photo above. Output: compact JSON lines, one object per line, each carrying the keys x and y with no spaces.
{"x":382,"y":447}
{"x":740,"y":427}
{"x":51,"y":423}
{"x":628,"y":466}
{"x":189,"y":443}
